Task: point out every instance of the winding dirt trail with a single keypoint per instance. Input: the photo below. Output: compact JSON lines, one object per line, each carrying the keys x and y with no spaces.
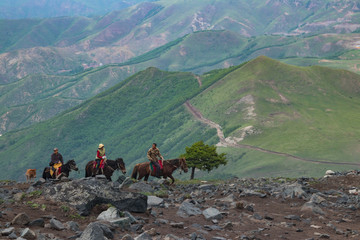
{"x":197,"y":114}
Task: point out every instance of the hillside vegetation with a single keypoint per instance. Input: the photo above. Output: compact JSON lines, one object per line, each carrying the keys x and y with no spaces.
{"x":38,"y":97}
{"x":310,"y":112}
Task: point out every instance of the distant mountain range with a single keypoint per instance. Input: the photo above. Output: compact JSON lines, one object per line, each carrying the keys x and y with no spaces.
{"x":306,"y":112}
{"x":21,"y":9}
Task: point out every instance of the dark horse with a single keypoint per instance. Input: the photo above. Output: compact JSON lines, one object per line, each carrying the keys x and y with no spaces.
{"x":109,"y":168}
{"x":169,"y":166}
{"x":65,"y":170}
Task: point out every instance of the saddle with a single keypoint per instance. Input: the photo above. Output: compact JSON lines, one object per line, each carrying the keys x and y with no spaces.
{"x":153,"y":169}
{"x":55,"y":166}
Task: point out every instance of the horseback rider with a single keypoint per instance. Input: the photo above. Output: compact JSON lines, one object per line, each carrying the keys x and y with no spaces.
{"x":56,"y":162}
{"x":153,"y":154}
{"x":100,"y":159}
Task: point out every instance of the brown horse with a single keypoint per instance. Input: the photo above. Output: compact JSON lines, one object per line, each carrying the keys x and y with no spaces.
{"x":169,"y":166}
{"x":109,"y":168}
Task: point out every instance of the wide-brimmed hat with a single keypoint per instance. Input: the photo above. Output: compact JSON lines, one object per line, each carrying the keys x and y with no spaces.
{"x":101,"y":145}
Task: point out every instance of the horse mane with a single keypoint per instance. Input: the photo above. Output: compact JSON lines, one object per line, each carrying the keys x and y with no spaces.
{"x":173,"y":161}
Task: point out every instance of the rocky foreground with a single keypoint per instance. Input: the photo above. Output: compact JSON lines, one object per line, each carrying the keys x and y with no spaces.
{"x":95,"y":209}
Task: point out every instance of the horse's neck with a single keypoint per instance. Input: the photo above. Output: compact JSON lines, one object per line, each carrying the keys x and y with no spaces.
{"x":65,"y":168}
{"x":174,"y":162}
{"x":111,"y":163}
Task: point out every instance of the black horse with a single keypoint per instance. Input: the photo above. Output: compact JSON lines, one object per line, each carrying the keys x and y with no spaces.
{"x":109,"y":168}
{"x":65,"y":170}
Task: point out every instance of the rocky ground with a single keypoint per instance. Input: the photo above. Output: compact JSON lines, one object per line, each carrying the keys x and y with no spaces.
{"x":266,"y":208}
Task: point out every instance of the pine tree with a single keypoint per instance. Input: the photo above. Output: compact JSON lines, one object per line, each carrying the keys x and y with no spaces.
{"x":203,"y":157}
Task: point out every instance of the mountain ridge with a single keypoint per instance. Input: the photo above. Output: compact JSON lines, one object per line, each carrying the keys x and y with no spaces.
{"x":149,"y":106}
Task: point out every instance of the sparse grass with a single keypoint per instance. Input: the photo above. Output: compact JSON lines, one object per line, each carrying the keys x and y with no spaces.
{"x":76,"y":216}
{"x":65,"y":208}
{"x":35,"y":193}
{"x":33,"y":205}
{"x":23,"y":196}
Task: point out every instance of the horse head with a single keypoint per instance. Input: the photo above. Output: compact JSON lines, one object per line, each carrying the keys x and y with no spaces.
{"x":72,"y":165}
{"x":121,"y":165}
{"x":183,"y":165}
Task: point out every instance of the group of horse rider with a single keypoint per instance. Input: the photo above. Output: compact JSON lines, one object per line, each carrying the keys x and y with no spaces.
{"x":153,"y":154}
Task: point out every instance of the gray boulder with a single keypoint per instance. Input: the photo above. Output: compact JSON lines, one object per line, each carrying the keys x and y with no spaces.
{"x":73,"y":226}
{"x":313,"y":208}
{"x":28,"y":234}
{"x":7,"y":231}
{"x":56,"y":224}
{"x":110,"y":214}
{"x":127,"y":237}
{"x":294,"y":190}
{"x":83,"y":194}
{"x":212,"y":213}
{"x":123,"y":223}
{"x":21,"y":219}
{"x":172,"y":237}
{"x":187,"y":209}
{"x":142,"y":187}
{"x":37,"y":222}
{"x":121,"y":179}
{"x":143,"y":236}
{"x":154,"y":201}
{"x":96,"y":231}
{"x":127,"y":182}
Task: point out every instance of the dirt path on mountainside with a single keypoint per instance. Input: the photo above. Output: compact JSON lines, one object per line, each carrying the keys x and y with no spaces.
{"x":197,"y":114}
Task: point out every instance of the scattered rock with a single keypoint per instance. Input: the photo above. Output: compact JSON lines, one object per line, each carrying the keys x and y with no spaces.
{"x":56,"y":224}
{"x":37,"y":222}
{"x":85,"y":193}
{"x":28,"y":234}
{"x":96,"y":231}
{"x":177,"y":225}
{"x":110,"y":214}
{"x":7,"y":231}
{"x":188,"y":209}
{"x":123,"y":223}
{"x":142,"y":187}
{"x":212,"y":213}
{"x":73,"y":226}
{"x":154,"y":201}
{"x":313,"y":208}
{"x":21,"y":219}
{"x":126,"y":183}
{"x":143,"y":236}
{"x":127,"y":237}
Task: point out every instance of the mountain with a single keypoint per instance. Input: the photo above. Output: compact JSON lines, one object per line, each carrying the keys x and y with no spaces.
{"x":21,"y":9}
{"x":38,"y":97}
{"x":274,"y":117}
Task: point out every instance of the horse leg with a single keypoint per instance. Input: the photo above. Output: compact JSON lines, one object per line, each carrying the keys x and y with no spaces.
{"x":146,"y":177}
{"x":172,"y":179}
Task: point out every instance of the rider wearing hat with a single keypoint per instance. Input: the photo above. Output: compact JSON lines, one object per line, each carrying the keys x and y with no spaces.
{"x":56,"y":162}
{"x":100,"y":158}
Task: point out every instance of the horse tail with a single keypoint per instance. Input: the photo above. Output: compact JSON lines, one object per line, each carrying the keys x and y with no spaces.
{"x":135,"y":171}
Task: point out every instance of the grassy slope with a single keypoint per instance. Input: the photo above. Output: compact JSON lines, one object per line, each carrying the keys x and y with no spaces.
{"x":127,"y":118}
{"x":320,"y":121}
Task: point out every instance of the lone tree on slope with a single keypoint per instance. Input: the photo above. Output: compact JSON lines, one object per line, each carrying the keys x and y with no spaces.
{"x":203,"y":157}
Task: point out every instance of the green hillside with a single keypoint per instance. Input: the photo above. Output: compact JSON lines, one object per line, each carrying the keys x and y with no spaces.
{"x":38,"y":97}
{"x":309,"y":112}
